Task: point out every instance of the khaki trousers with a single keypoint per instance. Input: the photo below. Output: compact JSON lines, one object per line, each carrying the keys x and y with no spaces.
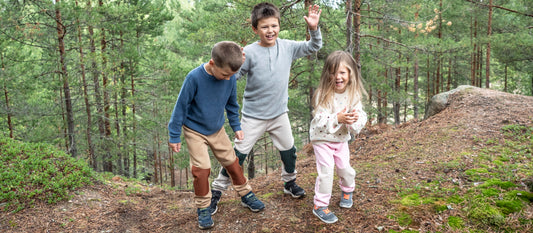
{"x":219,"y":143}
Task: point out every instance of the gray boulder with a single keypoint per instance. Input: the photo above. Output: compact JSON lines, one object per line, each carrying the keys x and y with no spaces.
{"x":439,"y":101}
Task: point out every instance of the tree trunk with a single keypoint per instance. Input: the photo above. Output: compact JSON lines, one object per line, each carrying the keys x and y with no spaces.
{"x":251,"y":165}
{"x":489,"y":33}
{"x":66,"y":88}
{"x":6,"y":95}
{"x":505,"y":79}
{"x":415,"y":86}
{"x":349,"y":26}
{"x":397,"y":88}
{"x":92,"y":160}
{"x":96,"y":84}
{"x":171,"y":167}
{"x":357,"y":33}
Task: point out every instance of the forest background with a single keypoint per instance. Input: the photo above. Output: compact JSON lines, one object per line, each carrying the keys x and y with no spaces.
{"x":99,"y":78}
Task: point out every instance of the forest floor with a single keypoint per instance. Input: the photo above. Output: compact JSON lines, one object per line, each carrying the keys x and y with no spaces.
{"x":386,"y":159}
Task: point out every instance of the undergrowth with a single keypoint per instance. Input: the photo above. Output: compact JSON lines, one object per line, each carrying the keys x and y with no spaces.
{"x":36,"y":171}
{"x":493,"y":193}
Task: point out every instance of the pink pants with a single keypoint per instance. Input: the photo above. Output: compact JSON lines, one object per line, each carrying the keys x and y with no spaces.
{"x":327,"y":156}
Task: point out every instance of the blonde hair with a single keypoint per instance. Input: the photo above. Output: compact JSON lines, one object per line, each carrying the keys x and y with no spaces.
{"x":324,"y":94}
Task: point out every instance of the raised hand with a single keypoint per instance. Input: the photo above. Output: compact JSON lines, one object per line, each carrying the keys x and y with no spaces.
{"x":313,"y":17}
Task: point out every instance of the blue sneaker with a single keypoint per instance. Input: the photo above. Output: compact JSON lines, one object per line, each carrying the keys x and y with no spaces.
{"x":346,"y":200}
{"x":250,"y":200}
{"x":204,"y":218}
{"x":324,"y":214}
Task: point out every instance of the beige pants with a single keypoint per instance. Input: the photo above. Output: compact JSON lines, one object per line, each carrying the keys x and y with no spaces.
{"x":200,"y":163}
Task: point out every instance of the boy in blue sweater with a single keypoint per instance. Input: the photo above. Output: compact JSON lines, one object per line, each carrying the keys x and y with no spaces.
{"x":267,"y":69}
{"x":207,"y":91}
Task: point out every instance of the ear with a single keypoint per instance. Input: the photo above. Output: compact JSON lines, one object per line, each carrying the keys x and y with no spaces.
{"x":254,"y":29}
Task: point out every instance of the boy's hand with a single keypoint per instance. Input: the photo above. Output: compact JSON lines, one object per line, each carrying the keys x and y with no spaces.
{"x":348,"y":118}
{"x":239,"y":135}
{"x":243,"y":55}
{"x":313,"y":17}
{"x":176,"y":147}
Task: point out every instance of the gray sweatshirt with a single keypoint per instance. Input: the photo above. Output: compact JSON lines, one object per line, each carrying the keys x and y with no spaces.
{"x":267,"y":70}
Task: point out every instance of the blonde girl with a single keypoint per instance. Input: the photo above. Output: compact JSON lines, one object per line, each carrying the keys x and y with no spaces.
{"x":338,"y":111}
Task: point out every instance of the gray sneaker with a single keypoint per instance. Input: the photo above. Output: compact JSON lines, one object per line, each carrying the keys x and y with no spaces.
{"x":346,"y":200}
{"x":324,"y":214}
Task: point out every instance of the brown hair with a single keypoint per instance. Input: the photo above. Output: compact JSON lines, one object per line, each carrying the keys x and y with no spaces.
{"x":227,"y":54}
{"x":264,"y":10}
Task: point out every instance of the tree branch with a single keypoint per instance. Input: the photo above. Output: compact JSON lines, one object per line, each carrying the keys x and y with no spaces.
{"x":500,"y":7}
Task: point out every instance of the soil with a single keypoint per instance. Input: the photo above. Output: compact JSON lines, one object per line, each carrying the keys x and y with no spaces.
{"x":411,"y":154}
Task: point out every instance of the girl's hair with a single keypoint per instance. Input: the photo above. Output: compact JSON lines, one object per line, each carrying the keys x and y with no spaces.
{"x":324,"y":94}
{"x":264,"y":10}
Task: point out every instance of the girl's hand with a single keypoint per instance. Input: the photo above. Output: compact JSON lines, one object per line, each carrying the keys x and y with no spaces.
{"x":313,"y":17}
{"x":345,"y":117}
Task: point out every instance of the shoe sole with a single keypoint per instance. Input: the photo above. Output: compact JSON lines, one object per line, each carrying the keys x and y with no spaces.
{"x":346,"y":206}
{"x":206,"y":227}
{"x":295,"y":196}
{"x":323,"y":220}
{"x":252,"y":209}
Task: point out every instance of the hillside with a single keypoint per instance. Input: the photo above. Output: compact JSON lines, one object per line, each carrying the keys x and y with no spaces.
{"x":405,"y":175}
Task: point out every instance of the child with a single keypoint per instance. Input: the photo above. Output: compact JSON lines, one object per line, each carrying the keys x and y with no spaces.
{"x":267,"y":66}
{"x":206,"y":92}
{"x":337,"y":113}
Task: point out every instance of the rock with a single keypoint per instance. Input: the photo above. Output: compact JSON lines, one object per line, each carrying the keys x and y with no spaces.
{"x":439,"y":101}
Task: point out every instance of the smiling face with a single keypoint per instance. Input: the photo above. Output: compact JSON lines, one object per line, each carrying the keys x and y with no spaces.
{"x":267,"y":30}
{"x":341,"y":78}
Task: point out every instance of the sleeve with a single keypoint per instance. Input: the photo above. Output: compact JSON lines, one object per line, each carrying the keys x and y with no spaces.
{"x":325,"y":121}
{"x":356,"y":127}
{"x":304,"y":48}
{"x":243,"y":70}
{"x":180,"y":111}
{"x":232,"y":108}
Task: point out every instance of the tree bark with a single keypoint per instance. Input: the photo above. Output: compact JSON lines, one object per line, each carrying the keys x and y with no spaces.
{"x":72,"y":150}
{"x":489,"y":33}
{"x":90,"y":145}
{"x":6,"y":95}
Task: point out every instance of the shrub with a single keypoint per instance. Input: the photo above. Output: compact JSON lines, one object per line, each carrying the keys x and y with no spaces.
{"x":37,"y":171}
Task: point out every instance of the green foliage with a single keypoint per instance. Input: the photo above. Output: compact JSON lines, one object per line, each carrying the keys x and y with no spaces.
{"x":30,"y":172}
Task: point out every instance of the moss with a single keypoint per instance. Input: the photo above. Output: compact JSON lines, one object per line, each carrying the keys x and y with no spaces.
{"x":509,"y":206}
{"x":455,"y":222}
{"x":490,"y":192}
{"x":411,"y":200}
{"x":485,"y":214}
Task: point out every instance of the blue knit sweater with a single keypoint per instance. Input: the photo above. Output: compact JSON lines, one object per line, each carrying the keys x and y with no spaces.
{"x":201,"y":104}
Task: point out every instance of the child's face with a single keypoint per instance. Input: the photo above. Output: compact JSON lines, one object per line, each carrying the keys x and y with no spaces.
{"x":221,"y":73}
{"x":267,"y":30}
{"x":342,"y":77}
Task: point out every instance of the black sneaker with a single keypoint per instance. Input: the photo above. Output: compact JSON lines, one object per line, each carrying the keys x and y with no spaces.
{"x":293,"y":189}
{"x":214,"y":201}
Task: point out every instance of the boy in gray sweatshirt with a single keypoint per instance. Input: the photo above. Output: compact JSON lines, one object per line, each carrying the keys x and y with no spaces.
{"x":267,"y":69}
